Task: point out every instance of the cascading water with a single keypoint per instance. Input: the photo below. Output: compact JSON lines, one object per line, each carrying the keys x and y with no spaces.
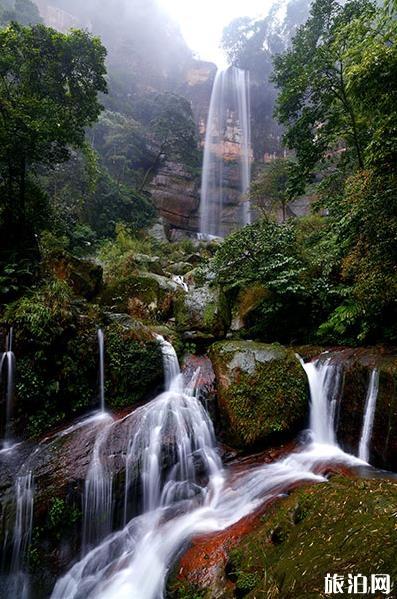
{"x":185,"y":490}
{"x":324,"y":381}
{"x":7,"y":382}
{"x":98,"y":493}
{"x":18,"y":585}
{"x":101,"y":348}
{"x":230,"y":95}
{"x":369,"y":416}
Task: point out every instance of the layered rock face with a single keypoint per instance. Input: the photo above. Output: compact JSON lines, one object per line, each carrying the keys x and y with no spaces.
{"x":175,"y":191}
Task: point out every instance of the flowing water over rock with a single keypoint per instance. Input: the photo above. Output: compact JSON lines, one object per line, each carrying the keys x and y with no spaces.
{"x":7,"y":386}
{"x":194,"y":494}
{"x":369,"y":416}
{"x":101,"y":348}
{"x":325,"y":382}
{"x":230,"y":101}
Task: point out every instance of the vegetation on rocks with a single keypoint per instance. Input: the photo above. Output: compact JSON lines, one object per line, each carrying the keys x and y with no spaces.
{"x":262,"y":391}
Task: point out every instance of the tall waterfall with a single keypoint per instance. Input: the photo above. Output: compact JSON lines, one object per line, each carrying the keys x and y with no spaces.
{"x":7,"y":383}
{"x":230,"y":96}
{"x":101,"y":349}
{"x":369,"y":416}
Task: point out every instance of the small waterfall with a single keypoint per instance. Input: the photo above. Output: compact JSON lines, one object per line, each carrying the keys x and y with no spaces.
{"x":19,"y":580}
{"x":101,"y":348}
{"x":324,"y":382}
{"x":230,"y":96}
{"x":7,"y":382}
{"x":185,"y":490}
{"x":98,"y":493}
{"x":369,"y":416}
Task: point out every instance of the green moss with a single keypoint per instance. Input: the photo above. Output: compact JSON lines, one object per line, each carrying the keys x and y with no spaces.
{"x":340,"y":527}
{"x":134,"y":366}
{"x":262,"y":390}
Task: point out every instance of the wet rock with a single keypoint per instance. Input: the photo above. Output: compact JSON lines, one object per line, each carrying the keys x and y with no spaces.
{"x":175,"y":194}
{"x":357,"y":365}
{"x":201,"y":367}
{"x":202,"y":311}
{"x":262,"y":391}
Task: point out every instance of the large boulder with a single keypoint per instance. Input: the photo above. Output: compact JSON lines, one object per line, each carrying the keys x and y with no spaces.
{"x":202,"y":312}
{"x":262,"y":391}
{"x":144,"y":295}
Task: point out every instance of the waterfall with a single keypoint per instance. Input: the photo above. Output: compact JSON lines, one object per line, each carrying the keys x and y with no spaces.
{"x":324,"y":382}
{"x":369,"y":416}
{"x":101,"y":347}
{"x":7,"y":378}
{"x":98,"y":493}
{"x":230,"y":95}
{"x":19,"y":581}
{"x":184,"y":490}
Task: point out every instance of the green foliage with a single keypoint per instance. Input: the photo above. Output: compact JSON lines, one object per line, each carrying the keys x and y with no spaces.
{"x":134,"y":366}
{"x":270,"y":188}
{"x":48,"y":96}
{"x":43,"y":313}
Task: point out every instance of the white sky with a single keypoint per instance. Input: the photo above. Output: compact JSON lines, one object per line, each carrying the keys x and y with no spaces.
{"x":202,"y":21}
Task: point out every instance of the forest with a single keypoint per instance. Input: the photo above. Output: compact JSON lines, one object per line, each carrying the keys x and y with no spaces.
{"x":198,"y":303}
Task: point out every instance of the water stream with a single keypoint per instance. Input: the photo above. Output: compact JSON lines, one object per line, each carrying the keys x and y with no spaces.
{"x":369,"y":416}
{"x":185,"y":490}
{"x":7,"y":383}
{"x":101,"y":348}
{"x":230,"y":102}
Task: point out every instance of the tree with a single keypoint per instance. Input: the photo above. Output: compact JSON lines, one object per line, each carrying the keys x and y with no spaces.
{"x":171,"y":129}
{"x":251,"y":44}
{"x":24,"y":12}
{"x":49,"y":85}
{"x":315,"y":103}
{"x":271,"y":186}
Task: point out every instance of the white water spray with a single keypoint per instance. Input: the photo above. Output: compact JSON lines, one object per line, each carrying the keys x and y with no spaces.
{"x":369,"y":416}
{"x":98,"y":493}
{"x":230,"y":95}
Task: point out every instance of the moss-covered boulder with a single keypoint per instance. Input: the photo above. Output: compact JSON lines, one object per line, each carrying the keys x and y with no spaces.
{"x":262,"y":391}
{"x":340,"y":527}
{"x":202,"y":313}
{"x":144,"y":295}
{"x":344,"y":527}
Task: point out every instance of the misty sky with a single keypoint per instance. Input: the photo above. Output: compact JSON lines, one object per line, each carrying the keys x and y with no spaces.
{"x":202,"y":21}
